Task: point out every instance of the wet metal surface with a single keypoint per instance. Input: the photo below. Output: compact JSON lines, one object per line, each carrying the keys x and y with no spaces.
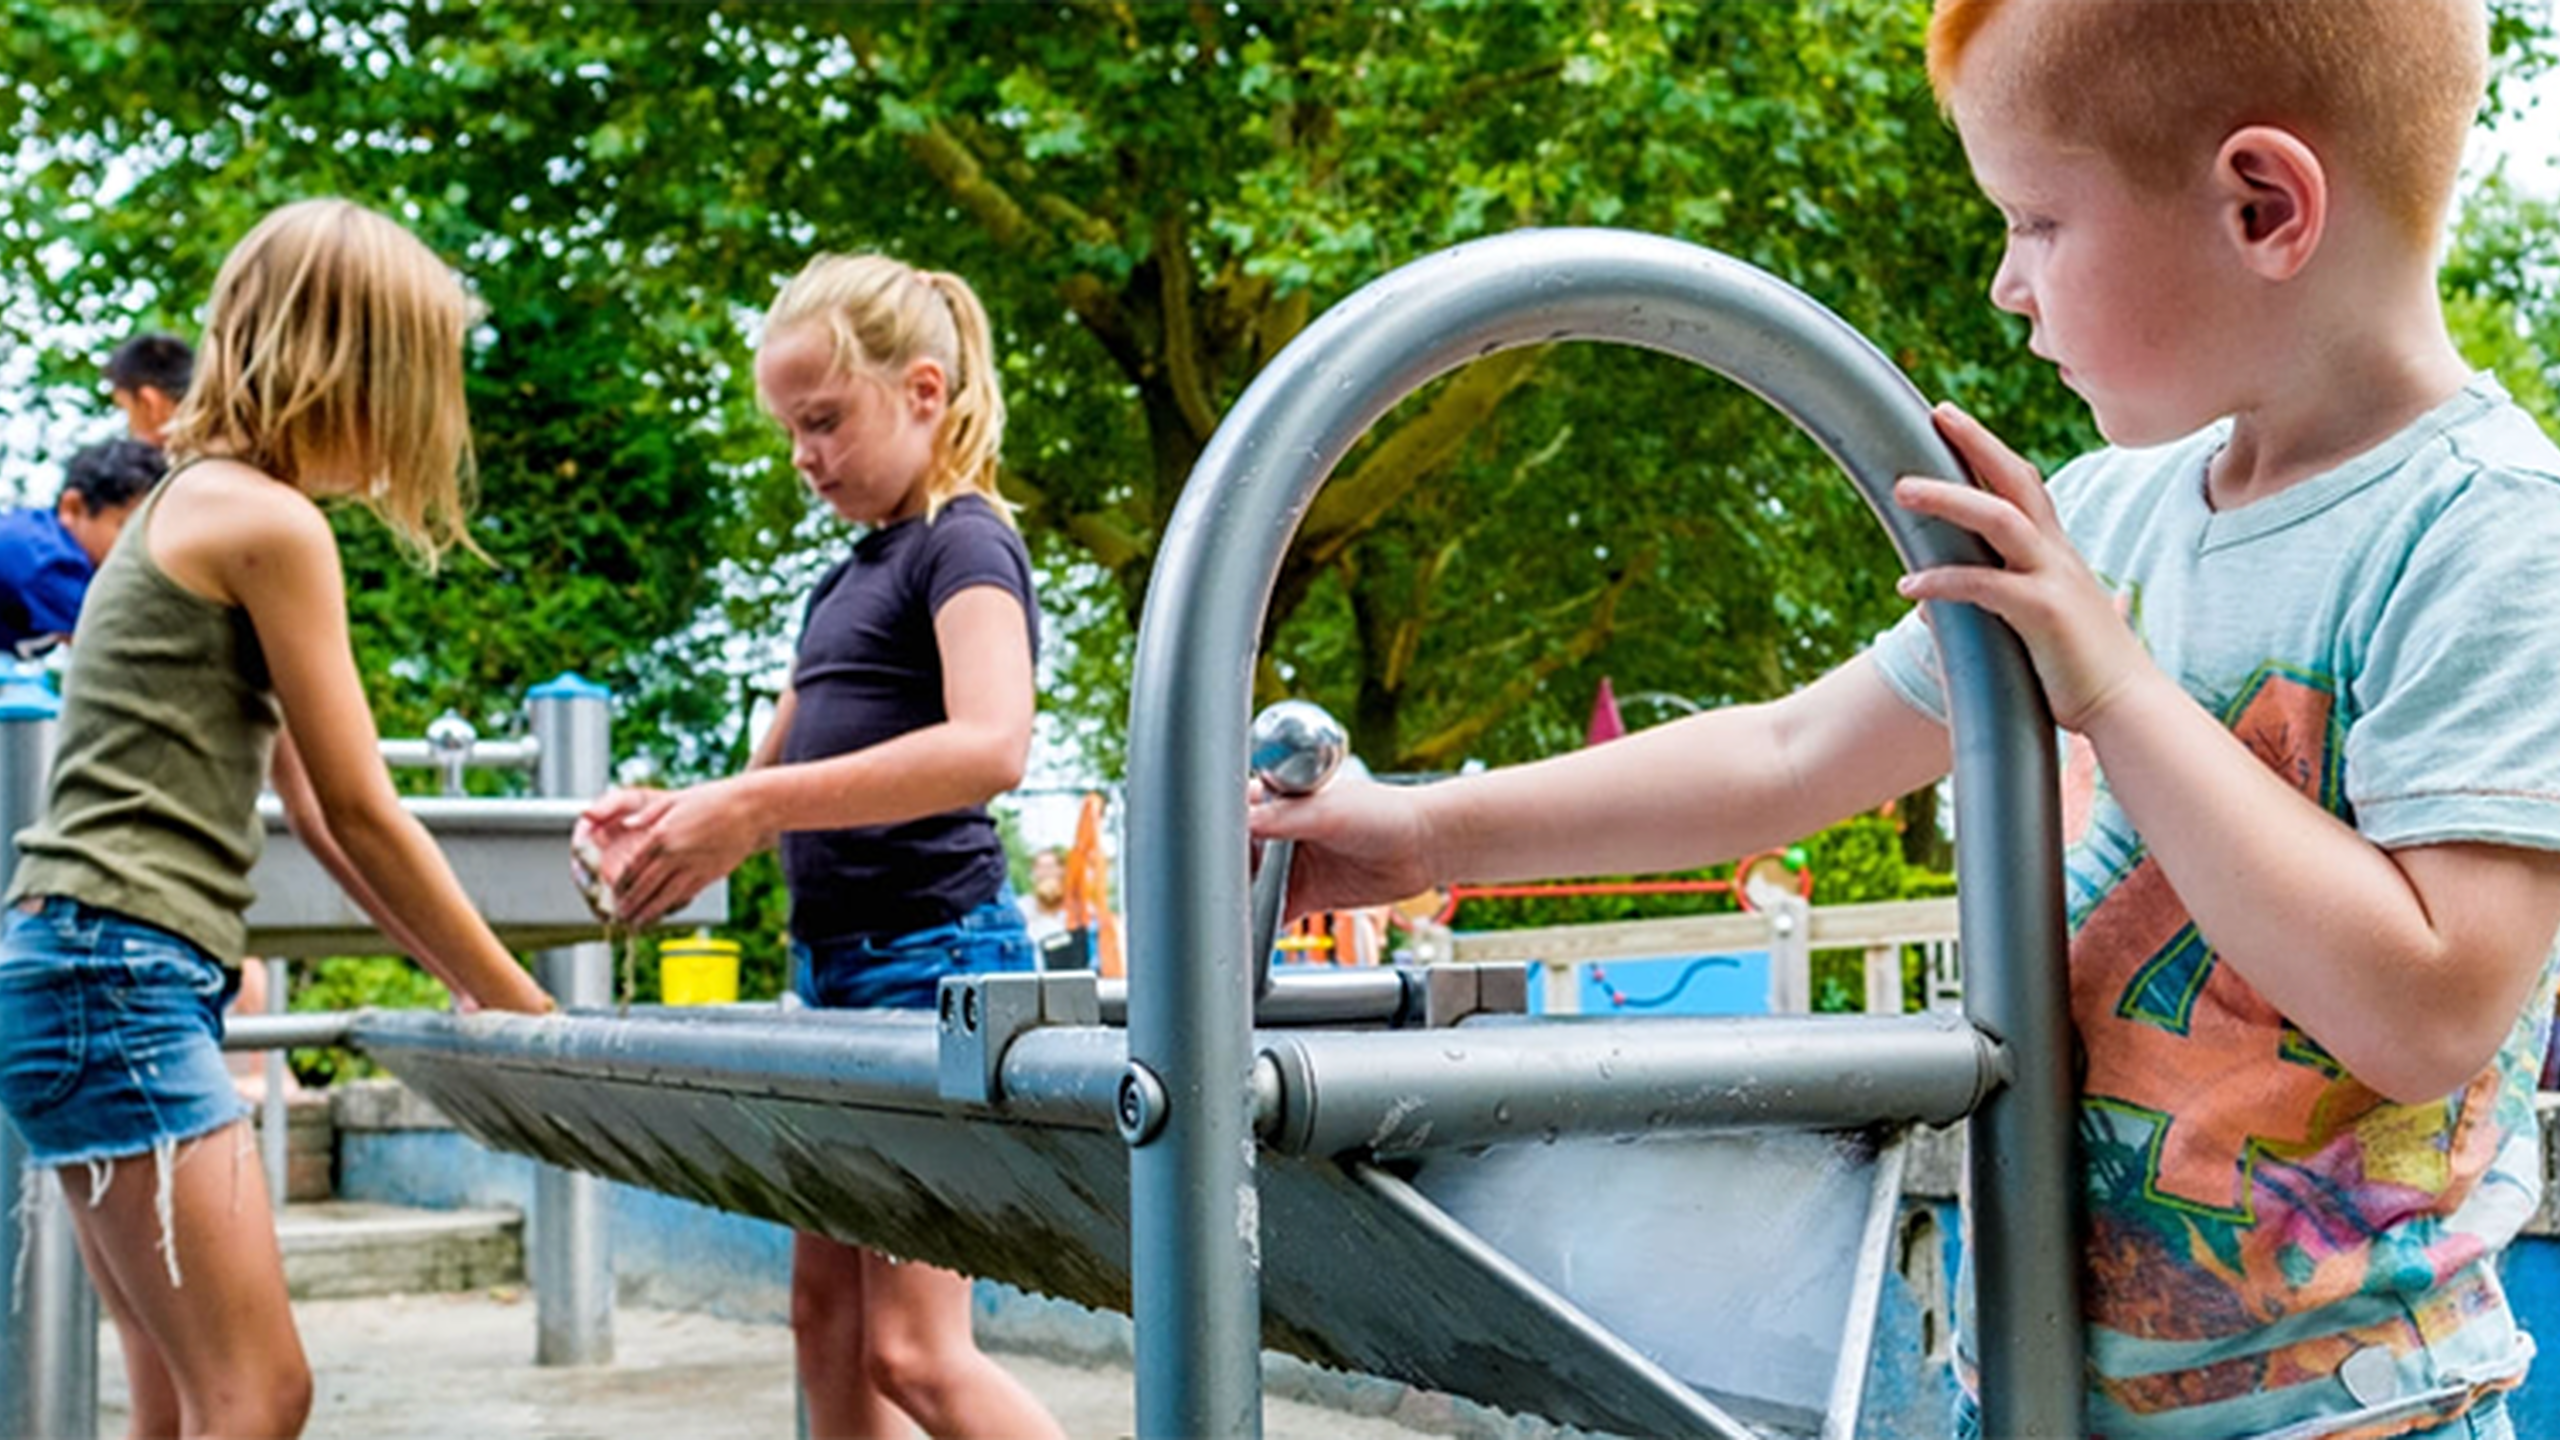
{"x":837,"y":1127}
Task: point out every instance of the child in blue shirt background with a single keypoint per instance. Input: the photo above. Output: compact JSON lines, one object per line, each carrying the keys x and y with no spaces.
{"x":48,"y":554}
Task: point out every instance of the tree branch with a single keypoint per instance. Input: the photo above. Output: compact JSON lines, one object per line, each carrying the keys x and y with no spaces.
{"x":946,"y":159}
{"x":1440,"y":750}
{"x":1423,"y":446}
{"x":1106,"y":541}
{"x":1183,"y":374}
{"x":1483,"y":85}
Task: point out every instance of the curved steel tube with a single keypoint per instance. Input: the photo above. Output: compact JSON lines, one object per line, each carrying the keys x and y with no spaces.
{"x":1194,"y":1241}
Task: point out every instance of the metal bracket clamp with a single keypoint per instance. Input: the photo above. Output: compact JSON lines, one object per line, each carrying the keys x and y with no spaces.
{"x":1140,"y":1106}
{"x":1451,"y":993}
{"x":981,"y":1015}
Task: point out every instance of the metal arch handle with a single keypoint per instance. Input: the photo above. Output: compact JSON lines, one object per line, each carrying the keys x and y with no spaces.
{"x":1194,"y":1238}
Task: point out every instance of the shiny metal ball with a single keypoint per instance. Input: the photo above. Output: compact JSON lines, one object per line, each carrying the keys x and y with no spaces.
{"x":1297,"y":747}
{"x":450,"y":735}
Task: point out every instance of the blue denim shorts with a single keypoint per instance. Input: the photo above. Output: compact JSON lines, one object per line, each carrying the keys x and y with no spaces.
{"x":904,"y":972}
{"x":110,"y":1034}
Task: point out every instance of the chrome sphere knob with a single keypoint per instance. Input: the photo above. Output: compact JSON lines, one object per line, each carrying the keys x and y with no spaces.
{"x":1297,"y":747}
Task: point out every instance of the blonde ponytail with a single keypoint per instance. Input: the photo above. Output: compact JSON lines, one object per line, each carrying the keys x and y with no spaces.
{"x":883,"y":313}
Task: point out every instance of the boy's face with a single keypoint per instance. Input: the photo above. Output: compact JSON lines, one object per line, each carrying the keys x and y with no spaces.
{"x":94,"y":531}
{"x":146,"y":412}
{"x":2124,"y":289}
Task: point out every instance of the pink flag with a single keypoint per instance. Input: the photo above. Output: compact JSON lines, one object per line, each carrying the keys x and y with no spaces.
{"x":1605,"y":724}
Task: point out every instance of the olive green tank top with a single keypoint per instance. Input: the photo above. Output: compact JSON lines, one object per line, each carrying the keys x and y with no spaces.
{"x":168,"y":722}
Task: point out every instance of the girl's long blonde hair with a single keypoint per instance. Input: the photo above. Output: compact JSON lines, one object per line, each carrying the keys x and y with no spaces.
{"x":883,"y":313}
{"x":333,"y":348}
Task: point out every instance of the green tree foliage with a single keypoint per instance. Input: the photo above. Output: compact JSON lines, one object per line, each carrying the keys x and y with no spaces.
{"x":2502,"y":291}
{"x":1153,"y":198}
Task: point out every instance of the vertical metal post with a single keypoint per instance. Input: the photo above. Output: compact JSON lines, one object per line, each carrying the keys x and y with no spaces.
{"x":48,"y":1309}
{"x":274,"y":1122}
{"x":572,"y":1229}
{"x":1790,"y":955}
{"x":1882,"y":966}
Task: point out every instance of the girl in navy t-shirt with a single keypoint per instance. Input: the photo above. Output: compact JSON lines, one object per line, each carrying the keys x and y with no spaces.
{"x":909,"y":708}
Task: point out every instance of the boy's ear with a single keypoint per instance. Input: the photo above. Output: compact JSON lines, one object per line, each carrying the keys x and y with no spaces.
{"x":2276,"y":196}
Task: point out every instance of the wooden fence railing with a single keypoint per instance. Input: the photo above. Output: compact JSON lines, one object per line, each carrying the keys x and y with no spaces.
{"x":1790,"y":932}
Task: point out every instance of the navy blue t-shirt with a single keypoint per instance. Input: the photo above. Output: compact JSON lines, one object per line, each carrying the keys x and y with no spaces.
{"x":43,"y":575}
{"x":869,"y":670}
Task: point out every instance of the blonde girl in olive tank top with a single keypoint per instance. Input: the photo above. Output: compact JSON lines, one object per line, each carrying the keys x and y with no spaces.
{"x":213,"y":656}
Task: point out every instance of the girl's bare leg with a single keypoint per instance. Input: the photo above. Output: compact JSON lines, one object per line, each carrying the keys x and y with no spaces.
{"x":827,"y":1339}
{"x":222,"y":1329}
{"x":922,"y":1355}
{"x":151,"y":1396}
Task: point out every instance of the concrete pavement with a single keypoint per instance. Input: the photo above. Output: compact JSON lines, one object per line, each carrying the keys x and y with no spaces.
{"x":439,"y":1366}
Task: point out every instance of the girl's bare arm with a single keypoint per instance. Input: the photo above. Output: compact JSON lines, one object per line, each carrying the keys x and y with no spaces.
{"x":241,"y":537}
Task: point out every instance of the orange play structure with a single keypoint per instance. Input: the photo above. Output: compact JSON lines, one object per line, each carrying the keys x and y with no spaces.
{"x":1089,"y":887}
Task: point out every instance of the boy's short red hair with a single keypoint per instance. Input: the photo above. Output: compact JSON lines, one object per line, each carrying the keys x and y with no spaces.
{"x":2385,"y":90}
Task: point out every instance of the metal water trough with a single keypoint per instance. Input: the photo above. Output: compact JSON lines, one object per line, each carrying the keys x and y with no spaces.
{"x":1533,"y":1243}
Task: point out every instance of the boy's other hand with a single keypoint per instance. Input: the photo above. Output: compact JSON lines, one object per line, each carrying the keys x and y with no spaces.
{"x":2084,"y":653}
{"x":1358,"y":843}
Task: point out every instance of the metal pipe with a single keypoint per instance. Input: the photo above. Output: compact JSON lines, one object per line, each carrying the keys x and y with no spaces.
{"x":1497,"y":1081}
{"x":274,"y":1144}
{"x":410,"y":753}
{"x":1194,"y":1236}
{"x":571,"y":1227}
{"x":48,"y":1309}
{"x":304,"y":1030}
{"x":869,"y":1060}
{"x":449,"y":816}
{"x":1359,"y":995}
{"x":1866,"y":1294}
{"x":884,"y":1062}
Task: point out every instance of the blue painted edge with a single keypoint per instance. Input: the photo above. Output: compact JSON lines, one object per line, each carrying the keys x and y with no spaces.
{"x":25,"y":699}
{"x":568,"y":685}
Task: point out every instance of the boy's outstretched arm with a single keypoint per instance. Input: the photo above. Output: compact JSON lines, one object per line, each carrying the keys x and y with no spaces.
{"x":1708,"y":788}
{"x":2408,"y":966}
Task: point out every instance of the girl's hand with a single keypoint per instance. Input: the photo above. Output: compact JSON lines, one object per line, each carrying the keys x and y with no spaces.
{"x":688,"y":839}
{"x":601,"y":842}
{"x":1359,"y":843}
{"x":2084,"y":653}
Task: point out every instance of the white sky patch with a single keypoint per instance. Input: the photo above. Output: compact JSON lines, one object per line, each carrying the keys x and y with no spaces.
{"x":2527,"y":139}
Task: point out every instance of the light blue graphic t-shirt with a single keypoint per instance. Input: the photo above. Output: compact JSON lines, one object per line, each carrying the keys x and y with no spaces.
{"x":2272,"y":1244}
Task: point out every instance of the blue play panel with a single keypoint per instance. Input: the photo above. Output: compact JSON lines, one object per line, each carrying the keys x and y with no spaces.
{"x":1735,"y":983}
{"x":2531,"y":1270}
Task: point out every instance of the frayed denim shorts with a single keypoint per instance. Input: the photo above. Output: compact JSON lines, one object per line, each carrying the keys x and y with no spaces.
{"x":110,"y":1034}
{"x":904,"y":972}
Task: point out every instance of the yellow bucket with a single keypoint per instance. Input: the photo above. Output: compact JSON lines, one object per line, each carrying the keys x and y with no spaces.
{"x":698,"y":969}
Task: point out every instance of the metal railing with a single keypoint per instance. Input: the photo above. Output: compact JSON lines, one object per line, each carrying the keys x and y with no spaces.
{"x":1193,"y":1243}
